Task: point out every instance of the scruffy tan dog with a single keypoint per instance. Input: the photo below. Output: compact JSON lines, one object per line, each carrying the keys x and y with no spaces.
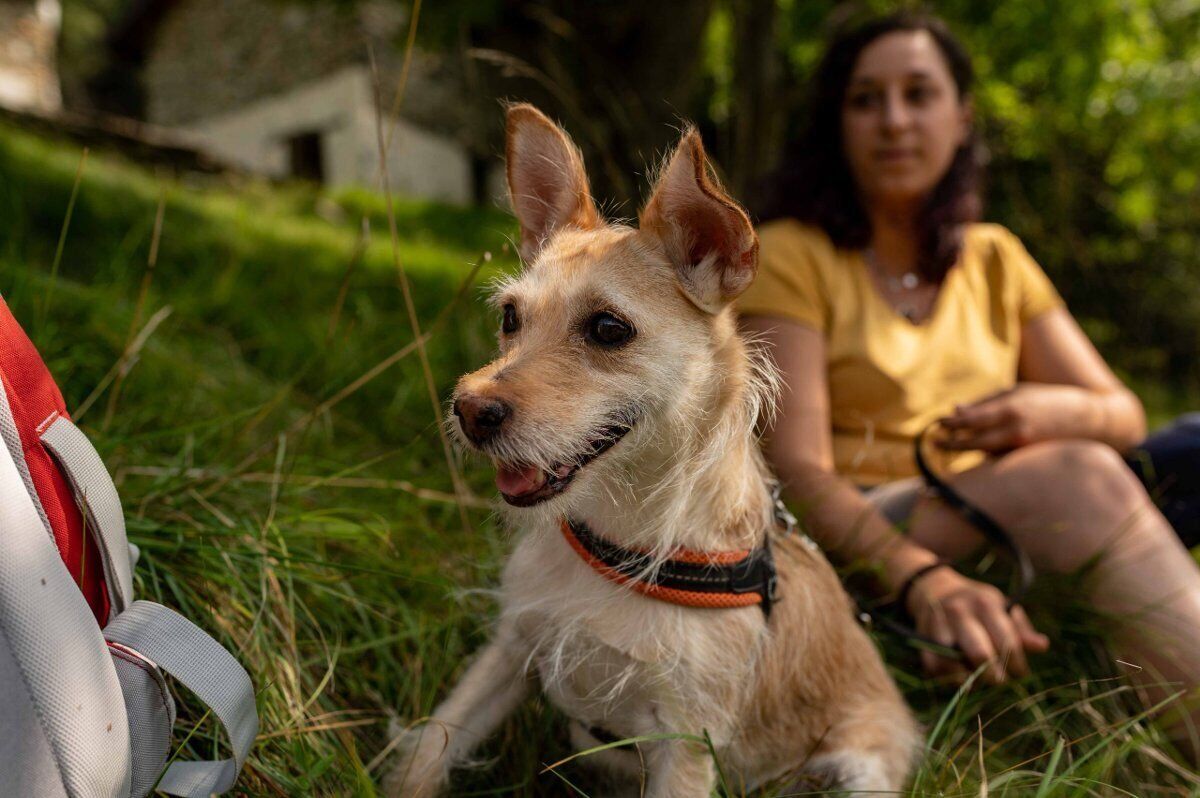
{"x":620,"y":416}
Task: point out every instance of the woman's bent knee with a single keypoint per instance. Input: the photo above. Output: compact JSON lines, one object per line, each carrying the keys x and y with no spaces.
{"x":1086,"y":475}
{"x":1065,"y":502}
{"x":1072,"y":500}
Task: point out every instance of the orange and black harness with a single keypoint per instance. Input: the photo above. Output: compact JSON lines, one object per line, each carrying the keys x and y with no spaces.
{"x":745,"y":577}
{"x":706,"y":580}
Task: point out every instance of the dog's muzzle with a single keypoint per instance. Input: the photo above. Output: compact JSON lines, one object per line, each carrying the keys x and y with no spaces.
{"x":525,"y":486}
{"x":483,"y":420}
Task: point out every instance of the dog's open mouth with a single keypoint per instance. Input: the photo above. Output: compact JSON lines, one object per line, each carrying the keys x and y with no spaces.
{"x":527,"y":485}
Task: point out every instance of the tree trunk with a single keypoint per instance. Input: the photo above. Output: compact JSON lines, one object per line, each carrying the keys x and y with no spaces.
{"x":757,"y":113}
{"x":620,"y":76}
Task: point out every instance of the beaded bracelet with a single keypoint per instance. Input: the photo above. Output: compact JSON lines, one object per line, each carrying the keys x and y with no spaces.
{"x":906,"y":588}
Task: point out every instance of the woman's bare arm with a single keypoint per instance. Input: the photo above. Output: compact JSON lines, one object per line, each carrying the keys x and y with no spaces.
{"x":1066,"y":391}
{"x":800,"y":449}
{"x":947,"y":605}
{"x":1055,"y":350}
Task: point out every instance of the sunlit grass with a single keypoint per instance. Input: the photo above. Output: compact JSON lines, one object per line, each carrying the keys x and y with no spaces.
{"x":309,"y":526}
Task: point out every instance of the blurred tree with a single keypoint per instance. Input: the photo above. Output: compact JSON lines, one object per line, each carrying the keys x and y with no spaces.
{"x":621,"y":75}
{"x":1091,"y":114}
{"x":81,"y":52}
{"x":756,"y":127}
{"x":1090,"y":111}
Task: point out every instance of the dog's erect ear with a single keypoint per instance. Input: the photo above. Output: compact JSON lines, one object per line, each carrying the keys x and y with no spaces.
{"x":546,"y":181}
{"x":707,"y":235}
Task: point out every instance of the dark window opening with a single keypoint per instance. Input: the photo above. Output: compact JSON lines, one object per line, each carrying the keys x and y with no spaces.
{"x":304,"y":157}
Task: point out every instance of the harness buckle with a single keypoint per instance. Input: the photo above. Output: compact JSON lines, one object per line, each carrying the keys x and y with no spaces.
{"x":770,"y":582}
{"x":783,"y":516}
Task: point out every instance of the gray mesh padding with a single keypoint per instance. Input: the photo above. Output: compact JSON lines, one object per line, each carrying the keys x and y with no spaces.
{"x":151,"y":712}
{"x":26,"y":760}
{"x":57,"y":651}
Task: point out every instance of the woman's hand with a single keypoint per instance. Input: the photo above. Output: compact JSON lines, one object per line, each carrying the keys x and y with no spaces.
{"x":956,"y":611}
{"x":1026,"y":414}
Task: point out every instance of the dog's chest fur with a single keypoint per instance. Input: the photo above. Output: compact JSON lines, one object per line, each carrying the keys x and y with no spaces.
{"x":609,"y":657}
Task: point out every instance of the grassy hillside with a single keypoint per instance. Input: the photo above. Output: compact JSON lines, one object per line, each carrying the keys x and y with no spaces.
{"x":257,"y":398}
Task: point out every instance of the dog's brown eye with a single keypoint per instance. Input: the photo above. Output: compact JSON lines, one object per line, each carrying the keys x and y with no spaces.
{"x":607,"y":330}
{"x":510,"y":323}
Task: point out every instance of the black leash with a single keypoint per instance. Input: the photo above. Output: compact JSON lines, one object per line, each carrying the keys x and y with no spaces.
{"x":991,"y":530}
{"x":995,"y":534}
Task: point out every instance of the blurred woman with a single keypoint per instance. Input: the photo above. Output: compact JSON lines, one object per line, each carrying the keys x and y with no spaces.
{"x":887,"y":306}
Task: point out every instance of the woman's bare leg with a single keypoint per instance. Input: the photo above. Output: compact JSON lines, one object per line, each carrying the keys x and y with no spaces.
{"x":1074,"y":503}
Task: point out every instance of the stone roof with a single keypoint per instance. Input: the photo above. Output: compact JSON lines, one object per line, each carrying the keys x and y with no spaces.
{"x":200,"y":58}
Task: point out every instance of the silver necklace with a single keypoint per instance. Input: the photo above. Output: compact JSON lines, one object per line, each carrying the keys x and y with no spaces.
{"x":897,"y":287}
{"x":907,"y":281}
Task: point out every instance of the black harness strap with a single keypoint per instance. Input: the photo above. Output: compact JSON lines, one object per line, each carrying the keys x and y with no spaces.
{"x":755,"y":573}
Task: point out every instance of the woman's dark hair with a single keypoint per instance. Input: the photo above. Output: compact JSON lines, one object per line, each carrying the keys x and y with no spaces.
{"x":814,"y":183}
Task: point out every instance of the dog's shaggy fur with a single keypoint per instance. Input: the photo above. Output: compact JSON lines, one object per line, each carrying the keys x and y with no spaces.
{"x":801,"y":691}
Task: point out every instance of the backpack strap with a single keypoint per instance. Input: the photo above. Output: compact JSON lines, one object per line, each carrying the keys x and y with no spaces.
{"x":180,"y":648}
{"x":34,"y":401}
{"x":101,"y":504}
{"x":63,"y":725}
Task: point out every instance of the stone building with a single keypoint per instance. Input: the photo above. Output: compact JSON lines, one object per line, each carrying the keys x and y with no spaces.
{"x":286,"y":88}
{"x":28,"y":44}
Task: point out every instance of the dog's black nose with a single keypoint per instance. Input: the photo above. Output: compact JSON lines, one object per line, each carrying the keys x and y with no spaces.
{"x":480,"y":417}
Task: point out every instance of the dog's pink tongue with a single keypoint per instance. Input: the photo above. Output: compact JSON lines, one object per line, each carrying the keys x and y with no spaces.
{"x":517,"y":481}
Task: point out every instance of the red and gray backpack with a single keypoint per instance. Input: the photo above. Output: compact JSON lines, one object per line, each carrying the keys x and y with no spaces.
{"x":84,"y":707}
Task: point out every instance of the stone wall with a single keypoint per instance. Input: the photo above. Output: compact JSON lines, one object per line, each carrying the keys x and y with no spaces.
{"x":340,"y":110}
{"x":209,"y":58}
{"x":250,"y":76}
{"x":28,"y":44}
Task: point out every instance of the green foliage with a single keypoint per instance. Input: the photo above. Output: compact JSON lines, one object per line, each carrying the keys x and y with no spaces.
{"x":1091,"y":114}
{"x":304,"y":532}
{"x":81,"y":52}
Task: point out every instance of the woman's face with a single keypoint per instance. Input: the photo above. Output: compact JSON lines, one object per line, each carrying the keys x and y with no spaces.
{"x":902,"y":119}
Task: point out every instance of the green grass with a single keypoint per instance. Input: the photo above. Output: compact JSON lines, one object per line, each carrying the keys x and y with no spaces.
{"x":314,"y":538}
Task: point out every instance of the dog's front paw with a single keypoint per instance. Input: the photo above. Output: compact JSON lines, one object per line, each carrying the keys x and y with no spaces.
{"x":420,"y":767}
{"x":415,"y":779}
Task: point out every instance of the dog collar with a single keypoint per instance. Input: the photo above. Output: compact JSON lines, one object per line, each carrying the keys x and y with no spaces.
{"x":706,"y":580}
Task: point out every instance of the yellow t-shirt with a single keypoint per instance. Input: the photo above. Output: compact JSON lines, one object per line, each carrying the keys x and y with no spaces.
{"x":889,"y":378}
